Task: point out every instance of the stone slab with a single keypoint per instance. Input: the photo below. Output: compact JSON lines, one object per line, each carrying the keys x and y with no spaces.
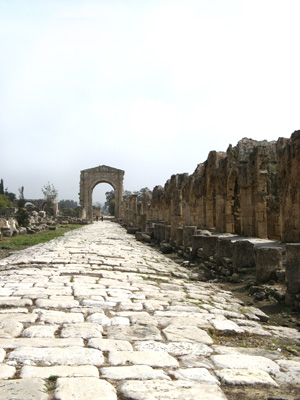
{"x":39,"y":342}
{"x":140,"y":372}
{"x":10,"y":328}
{"x":55,"y":356}
{"x":99,"y":318}
{"x":60,"y":317}
{"x":194,"y":374}
{"x":23,"y":389}
{"x":19,"y":317}
{"x":176,"y":333}
{"x":238,"y":361}
{"x":135,"y":332}
{"x":195,"y":361}
{"x":7,"y":371}
{"x":174,"y":348}
{"x":231,"y":376}
{"x":175,"y":390}
{"x":85,"y":330}
{"x":57,"y":302}
{"x":226,"y":327}
{"x":41,"y":331}
{"x":110,"y":344}
{"x":84,"y":389}
{"x":60,"y":371}
{"x":159,"y":359}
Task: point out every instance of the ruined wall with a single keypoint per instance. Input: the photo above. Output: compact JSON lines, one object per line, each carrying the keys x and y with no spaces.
{"x":252,"y":190}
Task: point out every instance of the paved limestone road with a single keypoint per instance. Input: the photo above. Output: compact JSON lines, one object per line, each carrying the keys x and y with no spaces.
{"x":96,"y":315}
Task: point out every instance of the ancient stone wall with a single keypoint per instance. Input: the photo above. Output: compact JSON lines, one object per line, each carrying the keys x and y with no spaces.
{"x":252,"y":190}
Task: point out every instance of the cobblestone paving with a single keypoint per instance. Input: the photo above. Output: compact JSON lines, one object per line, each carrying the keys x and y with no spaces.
{"x":96,"y":315}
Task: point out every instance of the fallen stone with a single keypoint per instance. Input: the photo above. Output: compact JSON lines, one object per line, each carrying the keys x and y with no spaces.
{"x":84,"y":388}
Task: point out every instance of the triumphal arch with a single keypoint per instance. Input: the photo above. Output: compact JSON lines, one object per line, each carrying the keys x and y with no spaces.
{"x":89,"y":178}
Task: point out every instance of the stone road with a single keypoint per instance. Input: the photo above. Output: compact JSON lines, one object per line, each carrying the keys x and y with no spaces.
{"x":96,"y":315}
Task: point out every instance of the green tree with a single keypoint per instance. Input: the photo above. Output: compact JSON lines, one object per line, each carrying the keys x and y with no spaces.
{"x":141,"y":192}
{"x":65,"y":204}
{"x":49,"y":192}
{"x":109,"y":197}
{"x":22,"y":215}
{"x":1,"y":187}
{"x":5,"y":201}
{"x":111,"y":207}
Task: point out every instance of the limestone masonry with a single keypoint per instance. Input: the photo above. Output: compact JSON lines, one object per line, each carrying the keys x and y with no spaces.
{"x":252,"y":190}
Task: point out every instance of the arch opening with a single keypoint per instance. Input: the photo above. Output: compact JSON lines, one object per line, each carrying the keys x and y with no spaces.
{"x":92,"y":177}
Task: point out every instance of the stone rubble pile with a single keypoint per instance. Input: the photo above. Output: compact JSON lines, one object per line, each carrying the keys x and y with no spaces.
{"x":96,"y":315}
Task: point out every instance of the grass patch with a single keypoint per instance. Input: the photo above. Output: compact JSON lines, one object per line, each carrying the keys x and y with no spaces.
{"x":21,"y":242}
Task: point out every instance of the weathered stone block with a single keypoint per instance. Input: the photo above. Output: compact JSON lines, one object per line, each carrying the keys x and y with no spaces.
{"x":132,"y":230}
{"x":179,"y":238}
{"x":267,"y":261}
{"x":158,"y":232}
{"x":188,"y":232}
{"x":207,"y":244}
{"x":142,"y":237}
{"x":243,"y":255}
{"x":224,"y":248}
{"x":292,"y":272}
{"x":7,"y":232}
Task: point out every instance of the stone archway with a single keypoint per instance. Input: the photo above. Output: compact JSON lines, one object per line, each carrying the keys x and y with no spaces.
{"x":89,"y":178}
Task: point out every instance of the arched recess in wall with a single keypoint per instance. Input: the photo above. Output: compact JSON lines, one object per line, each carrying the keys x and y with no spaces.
{"x":89,"y":178}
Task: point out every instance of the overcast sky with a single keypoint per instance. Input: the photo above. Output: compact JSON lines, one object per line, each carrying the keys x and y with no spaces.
{"x":146,"y":86}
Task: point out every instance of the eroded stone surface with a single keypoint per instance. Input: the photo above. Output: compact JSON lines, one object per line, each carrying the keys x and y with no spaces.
{"x":84,"y":388}
{"x":159,"y":359}
{"x":60,"y":371}
{"x":55,"y":355}
{"x":98,"y":301}
{"x":175,"y":390}
{"x":231,"y":376}
{"x":23,"y":389}
{"x":140,"y":372}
